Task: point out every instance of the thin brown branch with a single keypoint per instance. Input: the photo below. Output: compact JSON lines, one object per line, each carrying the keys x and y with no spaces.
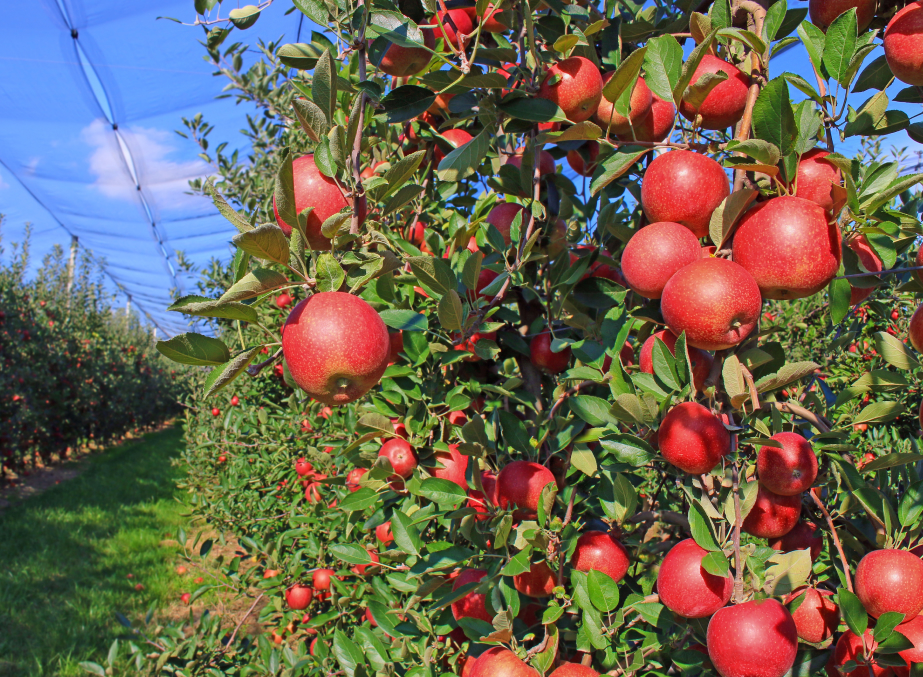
{"x":836,"y":539}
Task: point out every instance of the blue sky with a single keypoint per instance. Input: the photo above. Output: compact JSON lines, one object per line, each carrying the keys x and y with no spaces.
{"x":65,"y":169}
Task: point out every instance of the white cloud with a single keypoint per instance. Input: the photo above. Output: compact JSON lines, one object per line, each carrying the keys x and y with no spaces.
{"x":165,"y":180}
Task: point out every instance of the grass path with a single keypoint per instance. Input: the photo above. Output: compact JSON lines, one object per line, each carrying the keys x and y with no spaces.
{"x":66,"y":554}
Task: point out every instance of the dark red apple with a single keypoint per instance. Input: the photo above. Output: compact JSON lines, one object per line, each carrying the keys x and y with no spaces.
{"x":336,"y":347}
{"x":790,"y":470}
{"x":915,"y":330}
{"x":602,"y":552}
{"x":639,"y":105}
{"x":538,"y":581}
{"x":753,"y":639}
{"x":725,"y":104}
{"x":802,"y":536}
{"x":890,"y":580}
{"x":499,"y":661}
{"x":485,"y":277}
{"x":715,"y":301}
{"x":789,"y":247}
{"x":543,"y":358}
{"x":361,"y":569}
{"x":823,"y":12}
{"x":870,"y":260}
{"x":299,"y":596}
{"x":903,"y":42}
{"x":820,"y":181}
{"x":686,"y":588}
{"x":575,"y":85}
{"x":520,"y":484}
{"x":502,"y":216}
{"x":701,"y":361}
{"x":479,"y":500}
{"x":450,"y":24}
{"x":403,"y":61}
{"x":772,"y":515}
{"x":399,"y":452}
{"x":454,"y":464}
{"x":684,"y":187}
{"x":396,"y":342}
{"x":546,"y":163}
{"x":584,"y":167}
{"x":817,"y":617}
{"x":850,"y":648}
{"x":474,"y":604}
{"x":654,"y":254}
{"x":692,"y":438}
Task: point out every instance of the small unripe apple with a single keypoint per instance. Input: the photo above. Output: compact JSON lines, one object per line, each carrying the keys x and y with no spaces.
{"x":474,"y":604}
{"x":890,"y":580}
{"x":575,"y":85}
{"x":501,"y":662}
{"x":537,"y":582}
{"x":520,"y":484}
{"x":336,"y":347}
{"x":725,"y":104}
{"x":235,"y":401}
{"x":684,"y":187}
{"x":454,"y":464}
{"x":299,"y":596}
{"x":817,"y":617}
{"x":701,"y":361}
{"x":222,"y":458}
{"x":639,"y":106}
{"x":772,"y":515}
{"x":753,"y":639}
{"x":686,"y":588}
{"x":399,"y":452}
{"x":870,"y":260}
{"x":903,"y":42}
{"x":544,"y":358}
{"x":803,"y":535}
{"x":600,"y":551}
{"x":402,"y":61}
{"x":823,"y":12}
{"x":790,"y":470}
{"x":692,"y":438}
{"x":654,"y":254}
{"x":851,"y":647}
{"x":715,"y":301}
{"x":502,"y":215}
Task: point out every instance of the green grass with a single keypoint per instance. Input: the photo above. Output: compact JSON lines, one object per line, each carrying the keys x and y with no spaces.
{"x":65,"y":556}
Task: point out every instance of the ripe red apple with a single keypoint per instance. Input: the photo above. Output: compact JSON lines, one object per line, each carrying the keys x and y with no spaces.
{"x":186,"y":598}
{"x":402,"y":61}
{"x":399,"y":428}
{"x":753,"y":639}
{"x":850,"y":648}
{"x":701,"y":361}
{"x":361,"y":569}
{"x":657,"y":124}
{"x":271,"y":573}
{"x":584,"y":166}
{"x":789,"y":247}
{"x":817,"y":617}
{"x":450,"y":24}
{"x":479,"y":500}
{"x":870,"y":260}
{"x":912,"y":630}
{"x":320,"y":579}
{"x":538,"y":581}
{"x":222,"y":458}
{"x":502,"y":216}
{"x":626,"y":355}
{"x":399,"y":452}
{"x":353,"y":478}
{"x":470,"y":343}
{"x":474,"y":604}
{"x":802,"y":536}
{"x":600,"y":551}
{"x":140,"y":586}
{"x":488,"y":20}
{"x":336,"y":347}
{"x":454,"y":464}
{"x":283,"y":300}
{"x":915,"y":330}
{"x":384,"y":534}
{"x":684,"y":187}
{"x":692,"y":438}
{"x":455,"y":137}
{"x":725,"y":104}
{"x":313,"y":189}
{"x":574,"y":670}
{"x":520,"y":483}
{"x":686,"y":588}
{"x":575,"y":85}
{"x":543,"y":358}
{"x":303,"y":467}
{"x":903,"y":42}
{"x":546,"y":164}
{"x":235,"y":401}
{"x":216,"y":412}
{"x":890,"y":580}
{"x":654,"y":254}
{"x":298,"y":597}
{"x":715,"y":301}
{"x":485,"y":277}
{"x":396,"y":343}
{"x":790,"y":470}
{"x":639,"y":106}
{"x":457,"y":418}
{"x":772,"y":515}
{"x":823,"y":12}
{"x":501,"y":662}
{"x":820,"y":181}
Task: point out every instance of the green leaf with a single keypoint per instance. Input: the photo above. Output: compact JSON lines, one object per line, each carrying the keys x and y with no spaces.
{"x":911,"y":506}
{"x":405,"y":320}
{"x":350,"y":553}
{"x":604,"y":592}
{"x":95,"y":668}
{"x":532,"y":110}
{"x":774,"y":118}
{"x":228,"y":212}
{"x":324,"y":85}
{"x":406,"y":102}
{"x":877,"y":75}
{"x":617,"y":497}
{"x":244,"y":17}
{"x":691,"y":64}
{"x":449,"y":311}
{"x":519,"y":564}
{"x":593,"y":410}
{"x":582,"y":459}
{"x":348,"y":654}
{"x":514,"y":432}
{"x":840,"y":45}
{"x":879,"y":412}
{"x":221,"y":376}
{"x":716,"y":564}
{"x":775,"y":15}
{"x":885,"y":625}
{"x":853,"y":612}
{"x":405,"y":533}
{"x":464,"y":160}
{"x":839,"y":292}
{"x":617,"y":164}
{"x":203,"y":306}
{"x":258,"y":281}
{"x":894,"y":352}
{"x":731,"y":209}
{"x":442,"y":491}
{"x":625,"y":75}
{"x":628,"y":448}
{"x":264,"y":242}
{"x":663,"y":65}
{"x":814,"y":40}
{"x":359,"y":500}
{"x":400,"y":172}
{"x":703,"y":531}
{"x":433,"y":273}
{"x":375,"y":651}
{"x":194,"y":349}
{"x":314,"y":10}
{"x":330,"y":276}
{"x":789,"y":571}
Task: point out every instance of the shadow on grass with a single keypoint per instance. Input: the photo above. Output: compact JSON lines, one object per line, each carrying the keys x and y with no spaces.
{"x":65,"y":557}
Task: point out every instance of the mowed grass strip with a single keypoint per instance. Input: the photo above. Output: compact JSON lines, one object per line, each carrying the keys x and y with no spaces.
{"x":66,"y":556}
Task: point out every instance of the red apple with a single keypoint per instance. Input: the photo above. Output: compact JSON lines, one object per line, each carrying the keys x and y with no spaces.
{"x":575,"y":85}
{"x":361,"y":569}
{"x":538,"y":581}
{"x":715,"y":301}
{"x":384,"y":534}
{"x":915,"y":330}
{"x":470,"y":343}
{"x":283,"y":300}
{"x":772,"y":515}
{"x":903,"y":42}
{"x":450,"y":24}
{"x":489,"y":20}
{"x":399,"y":428}
{"x":817,"y":617}
{"x":850,"y":648}
{"x":235,"y":401}
{"x":186,"y":598}
{"x":823,"y":12}
{"x":584,"y":166}
{"x":353,"y":478}
{"x":320,"y":579}
{"x":499,"y":661}
{"x":546,"y":164}
{"x":485,"y":277}
{"x":399,"y":452}
{"x":602,"y":552}
{"x":396,"y":343}
{"x":912,"y":630}
{"x":684,"y":187}
{"x":298,"y":596}
{"x":543,"y":358}
{"x":640,"y":105}
{"x":820,"y":181}
{"x":303,"y":467}
{"x":520,"y":483}
{"x":502,"y":216}
{"x":692,"y":438}
{"x":626,"y":355}
{"x":790,"y":470}
{"x":802,"y":536}
{"x":701,"y":361}
{"x":456,"y":138}
{"x":870,"y":260}
{"x":454,"y":464}
{"x":686,"y":588}
{"x":216,"y":412}
{"x":890,"y":580}
{"x":654,"y":254}
{"x":402,"y":61}
{"x":725,"y":104}
{"x":474,"y":604}
{"x":479,"y":500}
{"x":753,"y":639}
{"x":657,"y":124}
{"x":574,"y":670}
{"x":789,"y":247}
{"x":336,"y":347}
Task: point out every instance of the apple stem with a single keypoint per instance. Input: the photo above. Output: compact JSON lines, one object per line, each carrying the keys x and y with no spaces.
{"x":836,"y":539}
